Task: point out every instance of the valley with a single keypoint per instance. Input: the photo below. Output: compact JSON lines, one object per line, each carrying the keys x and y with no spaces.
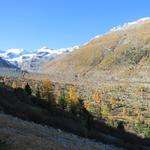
{"x":114,"y":101}
{"x":102,"y":89}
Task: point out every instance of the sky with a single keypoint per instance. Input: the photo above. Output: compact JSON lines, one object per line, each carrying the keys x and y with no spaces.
{"x":32,"y":24}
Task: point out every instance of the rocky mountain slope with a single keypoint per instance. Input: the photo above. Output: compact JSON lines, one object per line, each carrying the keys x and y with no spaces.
{"x":123,"y":53}
{"x":7,"y":69}
{"x":5,"y":64}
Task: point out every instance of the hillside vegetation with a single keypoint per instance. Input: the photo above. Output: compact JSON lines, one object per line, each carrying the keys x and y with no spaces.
{"x":69,"y":108}
{"x":115,"y":67}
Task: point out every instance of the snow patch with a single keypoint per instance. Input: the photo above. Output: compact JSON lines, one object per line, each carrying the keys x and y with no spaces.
{"x":130,"y":24}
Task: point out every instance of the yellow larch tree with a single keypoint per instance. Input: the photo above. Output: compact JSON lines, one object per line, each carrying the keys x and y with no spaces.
{"x":48,"y":84}
{"x":14,"y":85}
{"x":104,"y":111}
{"x":23,"y":84}
{"x":86,"y":105}
{"x":48,"y":91}
{"x":72,"y":97}
{"x":112,"y":102}
{"x":97,"y":98}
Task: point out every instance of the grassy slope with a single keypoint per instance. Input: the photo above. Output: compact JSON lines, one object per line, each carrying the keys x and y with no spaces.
{"x":119,"y":49}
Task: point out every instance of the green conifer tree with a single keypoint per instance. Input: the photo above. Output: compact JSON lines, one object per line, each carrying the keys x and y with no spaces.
{"x":28,"y":89}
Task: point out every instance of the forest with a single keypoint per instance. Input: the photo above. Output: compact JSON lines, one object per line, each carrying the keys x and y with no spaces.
{"x":65,"y":110}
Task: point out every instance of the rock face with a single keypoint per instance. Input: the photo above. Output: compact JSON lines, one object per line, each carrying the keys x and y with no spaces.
{"x":8,"y":69}
{"x":25,"y":135}
{"x":121,"y":54}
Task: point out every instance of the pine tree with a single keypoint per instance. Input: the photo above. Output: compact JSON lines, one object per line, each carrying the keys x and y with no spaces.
{"x":28,"y":89}
{"x":38,"y":94}
{"x":62,"y":101}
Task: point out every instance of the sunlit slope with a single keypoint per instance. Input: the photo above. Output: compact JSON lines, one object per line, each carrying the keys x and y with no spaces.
{"x":122,"y":53}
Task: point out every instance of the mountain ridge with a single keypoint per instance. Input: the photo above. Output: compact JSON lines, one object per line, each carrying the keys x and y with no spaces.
{"x":111,"y":56}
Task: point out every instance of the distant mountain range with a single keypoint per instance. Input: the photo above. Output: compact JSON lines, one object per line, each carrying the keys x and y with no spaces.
{"x":30,"y":60}
{"x":121,"y":53}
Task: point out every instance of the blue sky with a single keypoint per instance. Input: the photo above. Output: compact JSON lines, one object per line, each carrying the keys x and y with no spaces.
{"x":32,"y":24}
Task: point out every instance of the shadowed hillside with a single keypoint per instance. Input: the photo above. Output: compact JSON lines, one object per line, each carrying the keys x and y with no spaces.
{"x":20,"y":103}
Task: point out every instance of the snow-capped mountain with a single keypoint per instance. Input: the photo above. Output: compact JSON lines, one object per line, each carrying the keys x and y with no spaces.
{"x":30,"y":61}
{"x":131,"y":25}
{"x":122,"y":28}
{"x":11,"y":53}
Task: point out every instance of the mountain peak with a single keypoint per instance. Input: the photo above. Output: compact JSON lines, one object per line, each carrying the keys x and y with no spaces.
{"x":28,"y":61}
{"x":15,"y":51}
{"x":44,"y":49}
{"x":144,"y":19}
{"x":131,"y":24}
{"x":123,"y":27}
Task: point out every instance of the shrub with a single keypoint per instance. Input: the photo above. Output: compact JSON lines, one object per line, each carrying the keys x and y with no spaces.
{"x":146,"y":132}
